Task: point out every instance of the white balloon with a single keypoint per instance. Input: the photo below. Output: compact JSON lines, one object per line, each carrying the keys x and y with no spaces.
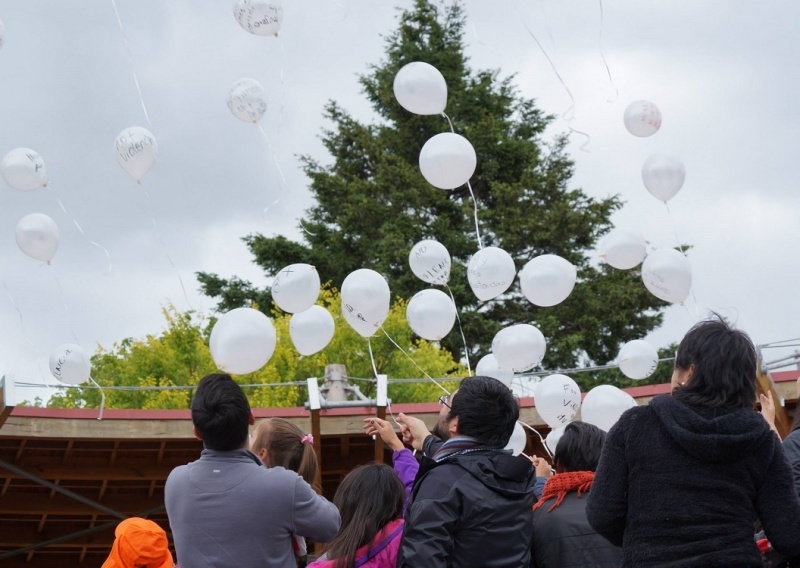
{"x":604,"y":404}
{"x":488,"y":367}
{"x":246,"y":99}
{"x":296,"y":287}
{"x":642,"y":118}
{"x":420,"y":88}
{"x":518,"y":440}
{"x":37,"y":236}
{"x":666,"y":273}
{"x":557,"y":399}
{"x":311,"y":330}
{"x":519,"y":347}
{"x":547,"y":280}
{"x":70,"y":365}
{"x":2,"y":35}
{"x":23,"y":169}
{"x":365,"y":301}
{"x":551,"y":440}
{"x":430,"y":262}
{"x":136,"y":151}
{"x":663,"y":176}
{"x":490,"y":272}
{"x":259,"y":17}
{"x":447,"y":160}
{"x":431,"y":314}
{"x":623,"y":248}
{"x":242,"y":341}
{"x":637,"y":359}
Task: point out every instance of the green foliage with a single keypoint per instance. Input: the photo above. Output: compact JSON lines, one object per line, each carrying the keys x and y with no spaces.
{"x":372,"y":205}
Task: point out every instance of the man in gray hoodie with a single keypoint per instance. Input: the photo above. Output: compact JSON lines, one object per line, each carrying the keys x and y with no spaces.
{"x":227,"y":509}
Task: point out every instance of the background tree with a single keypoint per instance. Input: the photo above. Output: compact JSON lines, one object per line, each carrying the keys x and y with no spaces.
{"x":372,"y":205}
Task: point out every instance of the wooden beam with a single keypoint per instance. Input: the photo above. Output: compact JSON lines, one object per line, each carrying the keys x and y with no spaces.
{"x":379,"y":445}
{"x":80,"y":472}
{"x":6,"y":404}
{"x":40,"y":504}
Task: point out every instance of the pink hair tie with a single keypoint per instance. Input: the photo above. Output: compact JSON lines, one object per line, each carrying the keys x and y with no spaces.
{"x":307,"y":439}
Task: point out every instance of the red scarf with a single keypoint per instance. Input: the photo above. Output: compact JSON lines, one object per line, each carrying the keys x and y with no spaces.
{"x":562,"y":483}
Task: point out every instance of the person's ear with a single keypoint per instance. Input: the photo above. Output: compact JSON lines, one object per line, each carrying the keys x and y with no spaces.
{"x":197,"y":434}
{"x":263,"y":455}
{"x":452,"y":426}
{"x":252,"y":419}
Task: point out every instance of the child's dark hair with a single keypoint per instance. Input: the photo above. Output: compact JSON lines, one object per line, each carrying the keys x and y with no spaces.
{"x":287,"y":446}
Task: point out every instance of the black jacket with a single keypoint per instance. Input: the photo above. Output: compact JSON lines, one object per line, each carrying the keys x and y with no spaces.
{"x":562,"y":538}
{"x":470,"y":510}
{"x":791,"y":445}
{"x":680,"y":485}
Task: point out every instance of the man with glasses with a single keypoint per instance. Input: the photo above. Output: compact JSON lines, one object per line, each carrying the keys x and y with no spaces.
{"x":471,"y":502}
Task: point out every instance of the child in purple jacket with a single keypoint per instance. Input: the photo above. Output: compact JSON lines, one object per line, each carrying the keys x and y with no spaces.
{"x":405,"y":464}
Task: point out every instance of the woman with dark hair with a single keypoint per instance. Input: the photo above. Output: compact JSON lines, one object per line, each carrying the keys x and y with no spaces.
{"x":370,"y":501}
{"x":681,"y":480}
{"x":562,"y":537}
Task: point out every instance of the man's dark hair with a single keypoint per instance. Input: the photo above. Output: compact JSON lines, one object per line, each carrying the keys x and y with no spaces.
{"x":487,"y":410}
{"x":221,"y":413}
{"x":724,"y":360}
{"x":579,"y":447}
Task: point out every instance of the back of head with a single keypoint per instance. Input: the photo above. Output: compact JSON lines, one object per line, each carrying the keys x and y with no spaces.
{"x":579,"y":447}
{"x":139,"y":543}
{"x":288,"y":447}
{"x":368,"y":498}
{"x":220,"y":413}
{"x":723,"y":363}
{"x":486,"y":409}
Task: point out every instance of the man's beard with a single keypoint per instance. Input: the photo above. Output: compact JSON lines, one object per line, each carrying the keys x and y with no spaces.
{"x":441,"y":431}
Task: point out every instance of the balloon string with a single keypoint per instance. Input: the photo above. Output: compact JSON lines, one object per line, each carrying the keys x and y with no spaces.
{"x":164,"y":248}
{"x":535,"y":431}
{"x":102,"y":398}
{"x":130,"y":61}
{"x":281,"y":179}
{"x":460,"y":329}
{"x":372,"y":357}
{"x":80,"y":230}
{"x":25,"y":336}
{"x":64,"y":301}
{"x":471,"y":194}
{"x":302,"y":224}
{"x":283,"y":87}
{"x":412,"y":360}
{"x":603,"y":57}
{"x":680,"y":248}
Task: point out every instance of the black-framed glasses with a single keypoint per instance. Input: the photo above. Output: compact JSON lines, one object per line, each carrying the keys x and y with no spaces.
{"x":443,"y":400}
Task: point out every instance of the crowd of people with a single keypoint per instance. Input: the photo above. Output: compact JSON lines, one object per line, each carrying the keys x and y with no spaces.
{"x":697,"y":478}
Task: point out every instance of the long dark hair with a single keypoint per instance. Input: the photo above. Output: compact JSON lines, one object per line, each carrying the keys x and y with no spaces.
{"x":368,"y":498}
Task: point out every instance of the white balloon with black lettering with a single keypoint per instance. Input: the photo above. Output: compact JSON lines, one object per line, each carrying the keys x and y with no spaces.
{"x":488,"y":367}
{"x":667,"y":274}
{"x":247,"y":100}
{"x":642,"y":118}
{"x":604,"y":404}
{"x":490,"y":272}
{"x":447,"y":160}
{"x":623,"y":248}
{"x":136,"y":151}
{"x":430,"y":262}
{"x":312,"y":330}
{"x":37,"y":236}
{"x":431,"y":314}
{"x":70,"y":365}
{"x":420,"y":88}
{"x":637,"y":359}
{"x":519,"y":347}
{"x":23,"y":169}
{"x":663,"y":176}
{"x":547,"y":280}
{"x":242,"y":341}
{"x":557,"y":398}
{"x":365,"y":301}
{"x":296,"y":287}
{"x":259,"y":17}
{"x":518,"y":440}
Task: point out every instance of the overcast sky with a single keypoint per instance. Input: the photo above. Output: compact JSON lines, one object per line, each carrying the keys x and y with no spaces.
{"x":724,"y":74}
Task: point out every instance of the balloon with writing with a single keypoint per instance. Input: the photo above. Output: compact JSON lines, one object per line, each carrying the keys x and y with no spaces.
{"x":296,"y":287}
{"x":519,"y":347}
{"x":623,"y":248}
{"x":604,"y":404}
{"x":23,"y":169}
{"x":136,"y":151}
{"x":69,"y":364}
{"x":365,"y":301}
{"x":242,"y":341}
{"x":642,"y":118}
{"x":37,"y":236}
{"x":667,"y":274}
{"x":637,"y":359}
{"x":490,"y":272}
{"x":518,"y":439}
{"x":430,"y":262}
{"x":312,"y":330}
{"x":547,"y":280}
{"x":557,"y":398}
{"x":447,"y":160}
{"x":663,"y":176}
{"x":420,"y":88}
{"x":246,"y":99}
{"x":488,"y":367}
{"x":259,"y":17}
{"x":431,"y":314}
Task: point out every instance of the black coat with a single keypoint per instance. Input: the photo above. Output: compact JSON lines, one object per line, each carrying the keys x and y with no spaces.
{"x":562,"y":538}
{"x":680,"y":485}
{"x":791,"y":445}
{"x":470,"y":510}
